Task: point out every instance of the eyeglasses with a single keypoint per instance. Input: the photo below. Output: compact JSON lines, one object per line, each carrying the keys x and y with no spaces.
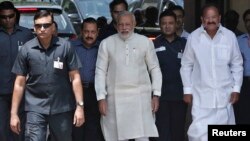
{"x":7,"y":16}
{"x":44,"y":25}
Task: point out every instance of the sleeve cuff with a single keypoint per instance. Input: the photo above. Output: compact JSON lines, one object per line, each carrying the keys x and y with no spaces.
{"x":236,"y":89}
{"x":100,"y":97}
{"x":187,"y":90}
{"x":157,"y":93}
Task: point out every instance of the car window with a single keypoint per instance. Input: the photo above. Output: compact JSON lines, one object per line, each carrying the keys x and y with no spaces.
{"x":148,"y":3}
{"x":62,"y":24}
{"x":69,"y":7}
{"x":94,"y":8}
{"x":26,"y":20}
{"x":134,"y":5}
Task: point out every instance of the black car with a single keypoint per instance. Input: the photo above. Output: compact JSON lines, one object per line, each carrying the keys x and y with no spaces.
{"x":28,"y":9}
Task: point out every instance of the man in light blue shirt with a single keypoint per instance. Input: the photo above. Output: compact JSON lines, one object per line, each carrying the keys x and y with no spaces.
{"x":242,"y":113}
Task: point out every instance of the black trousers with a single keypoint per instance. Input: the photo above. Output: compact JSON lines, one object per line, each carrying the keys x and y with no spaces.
{"x":5,"y":106}
{"x":170,"y":120}
{"x":241,"y":108}
{"x":91,"y":129}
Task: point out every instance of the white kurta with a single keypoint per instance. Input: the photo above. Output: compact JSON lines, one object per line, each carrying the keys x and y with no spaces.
{"x":123,"y":72}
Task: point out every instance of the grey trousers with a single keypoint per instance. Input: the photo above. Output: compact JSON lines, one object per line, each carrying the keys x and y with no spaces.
{"x":60,"y":126}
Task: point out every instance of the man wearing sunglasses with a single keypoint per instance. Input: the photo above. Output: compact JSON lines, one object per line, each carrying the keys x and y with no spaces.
{"x":47,"y":73}
{"x":12,"y":37}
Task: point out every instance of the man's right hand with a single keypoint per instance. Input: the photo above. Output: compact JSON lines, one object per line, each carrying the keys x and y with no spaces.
{"x":188,"y":98}
{"x":15,"y":124}
{"x":102,"y":107}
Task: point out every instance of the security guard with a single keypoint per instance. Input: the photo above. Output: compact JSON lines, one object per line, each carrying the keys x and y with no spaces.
{"x":170,"y":119}
{"x":50,"y":66}
{"x":12,"y":37}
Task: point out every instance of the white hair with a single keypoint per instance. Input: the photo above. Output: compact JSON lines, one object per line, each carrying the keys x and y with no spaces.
{"x":126,"y":13}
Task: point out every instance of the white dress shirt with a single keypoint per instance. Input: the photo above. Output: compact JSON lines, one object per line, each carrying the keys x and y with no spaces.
{"x":211,"y":68}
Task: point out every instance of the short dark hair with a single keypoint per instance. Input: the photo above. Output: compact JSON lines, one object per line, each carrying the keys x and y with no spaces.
{"x":117,"y":2}
{"x":231,"y":14}
{"x":6,"y":5}
{"x":209,"y":5}
{"x":56,"y":25}
{"x":88,"y":20}
{"x":44,"y":13}
{"x":151,"y":13}
{"x":247,"y":12}
{"x":167,"y":12}
{"x":102,"y":18}
{"x":101,"y":21}
{"x":177,"y":7}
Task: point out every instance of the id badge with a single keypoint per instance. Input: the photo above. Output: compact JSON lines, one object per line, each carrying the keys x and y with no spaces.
{"x":58,"y":64}
{"x":19,"y":48}
{"x":20,"y":44}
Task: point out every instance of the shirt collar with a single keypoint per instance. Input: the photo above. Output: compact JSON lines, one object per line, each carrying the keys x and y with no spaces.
{"x":54,"y":43}
{"x":16,"y":28}
{"x":220,"y":30}
{"x":79,"y":42}
{"x":245,"y":36}
{"x":162,"y":38}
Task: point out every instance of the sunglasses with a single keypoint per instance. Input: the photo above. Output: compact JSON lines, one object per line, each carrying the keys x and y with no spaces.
{"x":7,"y":16}
{"x":44,"y":25}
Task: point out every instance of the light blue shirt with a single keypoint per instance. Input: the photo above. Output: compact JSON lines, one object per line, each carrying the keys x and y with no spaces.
{"x":245,"y":51}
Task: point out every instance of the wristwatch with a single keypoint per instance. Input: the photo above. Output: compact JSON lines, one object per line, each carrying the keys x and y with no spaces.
{"x":80,"y":103}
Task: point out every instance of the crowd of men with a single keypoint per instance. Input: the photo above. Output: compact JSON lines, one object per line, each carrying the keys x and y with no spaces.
{"x":116,"y":85}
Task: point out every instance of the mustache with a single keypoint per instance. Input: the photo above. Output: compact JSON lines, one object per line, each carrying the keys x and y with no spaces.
{"x":89,"y":38}
{"x":125,"y":31}
{"x":211,"y":23}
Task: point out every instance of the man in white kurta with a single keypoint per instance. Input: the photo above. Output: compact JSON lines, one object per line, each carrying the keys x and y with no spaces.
{"x":211,"y":72}
{"x":127,"y":74}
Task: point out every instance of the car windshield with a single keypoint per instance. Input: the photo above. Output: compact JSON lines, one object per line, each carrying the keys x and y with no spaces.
{"x":94,"y":8}
{"x":26,"y":20}
{"x":148,"y":3}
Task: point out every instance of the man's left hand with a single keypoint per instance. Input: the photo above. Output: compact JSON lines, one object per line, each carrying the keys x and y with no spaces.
{"x":155,"y":104}
{"x":79,"y":118}
{"x":234,"y":97}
